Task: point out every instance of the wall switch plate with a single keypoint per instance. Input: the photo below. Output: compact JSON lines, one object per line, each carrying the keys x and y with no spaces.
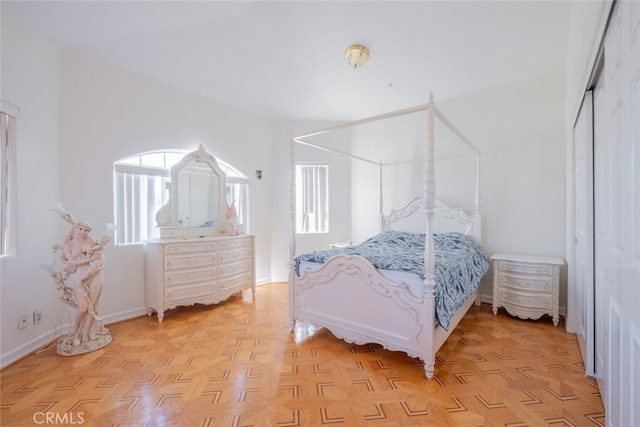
{"x":37,"y":317}
{"x":22,"y":321}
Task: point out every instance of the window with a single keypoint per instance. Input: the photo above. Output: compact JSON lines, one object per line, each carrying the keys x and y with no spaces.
{"x":312,"y":198}
{"x":8,"y":115}
{"x":141,"y":184}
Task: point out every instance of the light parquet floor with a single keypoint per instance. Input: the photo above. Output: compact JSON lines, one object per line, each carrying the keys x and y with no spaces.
{"x":238,"y":364}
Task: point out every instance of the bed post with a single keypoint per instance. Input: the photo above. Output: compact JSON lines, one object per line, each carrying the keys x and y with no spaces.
{"x":429,"y":258}
{"x":292,"y":236}
{"x":477,"y":221}
{"x":477,"y":199}
{"x":380,"y":200}
{"x":477,"y":217}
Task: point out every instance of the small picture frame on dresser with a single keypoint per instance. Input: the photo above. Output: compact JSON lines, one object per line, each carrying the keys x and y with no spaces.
{"x":527,"y":286}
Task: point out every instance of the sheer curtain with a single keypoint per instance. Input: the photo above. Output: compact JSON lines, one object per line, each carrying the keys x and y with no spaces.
{"x":312,"y":198}
{"x":139,"y":193}
{"x":8,"y":115}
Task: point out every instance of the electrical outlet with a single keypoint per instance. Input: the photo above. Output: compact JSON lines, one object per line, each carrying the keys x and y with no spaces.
{"x":37,"y":317}
{"x":22,"y":321}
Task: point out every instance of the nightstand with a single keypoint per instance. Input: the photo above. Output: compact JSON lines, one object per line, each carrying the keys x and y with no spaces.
{"x":526,"y":286}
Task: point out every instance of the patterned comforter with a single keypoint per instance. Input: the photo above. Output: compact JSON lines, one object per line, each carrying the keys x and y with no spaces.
{"x":460,"y":263}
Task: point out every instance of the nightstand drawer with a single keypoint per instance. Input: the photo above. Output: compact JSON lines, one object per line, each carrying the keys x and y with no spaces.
{"x":530,"y":283}
{"x":518,"y":267}
{"x":528,"y":301}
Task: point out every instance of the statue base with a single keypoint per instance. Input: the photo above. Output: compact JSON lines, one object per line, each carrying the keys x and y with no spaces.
{"x":70,"y":346}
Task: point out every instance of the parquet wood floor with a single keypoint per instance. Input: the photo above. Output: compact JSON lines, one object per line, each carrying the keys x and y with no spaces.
{"x":238,"y":364}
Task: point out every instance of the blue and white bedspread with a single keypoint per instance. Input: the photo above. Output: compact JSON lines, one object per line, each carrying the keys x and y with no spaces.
{"x":460,"y":263}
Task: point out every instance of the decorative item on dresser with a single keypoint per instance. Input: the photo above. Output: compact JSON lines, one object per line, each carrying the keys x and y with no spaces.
{"x":526,"y":286}
{"x":200,"y":270}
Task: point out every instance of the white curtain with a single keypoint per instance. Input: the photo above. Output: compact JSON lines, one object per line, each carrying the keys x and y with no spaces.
{"x":139,"y":194}
{"x":312,"y":201}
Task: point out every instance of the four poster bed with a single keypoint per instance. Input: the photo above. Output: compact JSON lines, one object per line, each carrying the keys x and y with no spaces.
{"x":405,"y":289}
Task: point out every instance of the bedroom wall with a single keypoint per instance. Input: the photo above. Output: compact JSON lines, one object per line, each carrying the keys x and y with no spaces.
{"x":520,"y":129}
{"x":30,"y":81}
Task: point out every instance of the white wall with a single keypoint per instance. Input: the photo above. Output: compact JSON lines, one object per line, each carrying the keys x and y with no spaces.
{"x":30,"y":81}
{"x":520,"y":130}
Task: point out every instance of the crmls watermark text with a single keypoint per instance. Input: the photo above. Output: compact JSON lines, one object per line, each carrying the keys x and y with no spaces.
{"x":66,"y":418}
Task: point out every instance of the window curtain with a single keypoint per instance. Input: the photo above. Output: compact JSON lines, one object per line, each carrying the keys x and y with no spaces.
{"x":312,"y":199}
{"x":141,"y":194}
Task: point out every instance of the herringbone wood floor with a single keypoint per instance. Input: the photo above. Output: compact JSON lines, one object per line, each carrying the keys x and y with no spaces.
{"x":237,"y":364}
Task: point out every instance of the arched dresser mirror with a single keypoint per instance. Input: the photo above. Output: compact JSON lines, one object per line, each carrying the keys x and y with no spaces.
{"x":197,"y":204}
{"x":196,"y":259}
{"x":198,"y":187}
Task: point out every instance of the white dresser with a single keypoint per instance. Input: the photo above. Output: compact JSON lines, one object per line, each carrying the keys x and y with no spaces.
{"x":199,"y":270}
{"x":526,"y":286}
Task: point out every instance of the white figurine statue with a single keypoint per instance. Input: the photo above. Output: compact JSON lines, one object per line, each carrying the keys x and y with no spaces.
{"x":80,"y":285}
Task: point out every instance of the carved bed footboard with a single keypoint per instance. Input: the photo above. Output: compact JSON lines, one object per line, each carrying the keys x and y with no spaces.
{"x":348,"y":296}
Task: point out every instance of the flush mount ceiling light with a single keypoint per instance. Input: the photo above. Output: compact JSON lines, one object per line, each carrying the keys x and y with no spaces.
{"x":356,"y":55}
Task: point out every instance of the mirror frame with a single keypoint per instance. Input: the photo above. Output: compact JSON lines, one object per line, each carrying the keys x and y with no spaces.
{"x":201,"y":156}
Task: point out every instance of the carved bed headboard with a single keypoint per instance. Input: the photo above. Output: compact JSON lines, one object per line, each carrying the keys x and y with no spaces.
{"x":412,"y":218}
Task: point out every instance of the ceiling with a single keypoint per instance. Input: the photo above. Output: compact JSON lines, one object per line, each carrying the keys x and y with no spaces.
{"x":284,"y":60}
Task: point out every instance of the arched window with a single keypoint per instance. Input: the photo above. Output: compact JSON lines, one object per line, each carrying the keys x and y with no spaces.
{"x":140,"y":189}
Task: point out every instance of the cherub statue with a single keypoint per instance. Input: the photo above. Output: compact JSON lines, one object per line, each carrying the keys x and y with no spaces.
{"x":80,"y":285}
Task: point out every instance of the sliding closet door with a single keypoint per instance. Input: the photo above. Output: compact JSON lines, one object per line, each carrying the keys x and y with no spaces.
{"x":584,"y":282}
{"x":617,"y":214}
{"x":599,"y":158}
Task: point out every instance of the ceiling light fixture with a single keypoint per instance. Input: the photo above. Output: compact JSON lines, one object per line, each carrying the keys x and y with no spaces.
{"x":356,"y":55}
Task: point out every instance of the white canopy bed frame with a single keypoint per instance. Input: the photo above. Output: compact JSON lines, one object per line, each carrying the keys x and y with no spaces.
{"x":356,"y":302}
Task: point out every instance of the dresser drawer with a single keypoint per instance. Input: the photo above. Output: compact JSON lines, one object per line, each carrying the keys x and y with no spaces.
{"x":529,"y":283}
{"x":534,"y":269}
{"x":190,"y":276}
{"x":235,"y":243}
{"x":189,"y":248}
{"x":177,"y":263}
{"x":234,"y":255}
{"x":227,"y":270}
{"x":188,"y":293}
{"x":240,"y":281}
